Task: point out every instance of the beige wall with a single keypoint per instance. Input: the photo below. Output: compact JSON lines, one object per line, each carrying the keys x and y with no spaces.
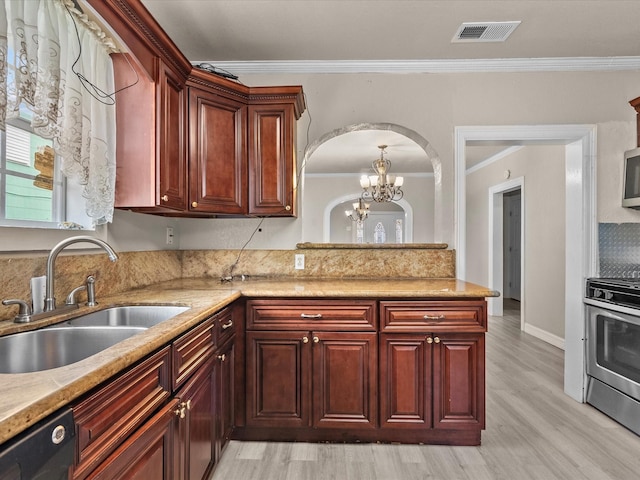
{"x":543,"y":171}
{"x":321,"y":191}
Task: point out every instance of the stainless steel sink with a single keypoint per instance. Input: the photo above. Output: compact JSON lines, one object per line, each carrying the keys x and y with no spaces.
{"x":56,"y":347}
{"x":129,"y":315}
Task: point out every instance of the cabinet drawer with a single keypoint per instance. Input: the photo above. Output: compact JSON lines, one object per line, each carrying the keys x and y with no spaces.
{"x":115,"y":411}
{"x":191,"y":350}
{"x":335,"y":315}
{"x":431,"y":316}
{"x":225,"y":325}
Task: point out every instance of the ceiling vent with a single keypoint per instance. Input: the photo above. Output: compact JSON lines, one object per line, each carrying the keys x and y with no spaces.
{"x":484,"y":31}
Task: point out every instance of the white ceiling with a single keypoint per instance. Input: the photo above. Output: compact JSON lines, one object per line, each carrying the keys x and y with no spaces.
{"x":351,"y":34}
{"x":245,"y":30}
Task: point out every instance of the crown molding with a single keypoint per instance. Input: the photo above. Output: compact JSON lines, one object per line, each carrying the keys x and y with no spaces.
{"x":487,"y":65}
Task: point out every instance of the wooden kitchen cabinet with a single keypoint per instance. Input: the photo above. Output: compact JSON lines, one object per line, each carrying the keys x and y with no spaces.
{"x":214,"y":147}
{"x":217,"y":152}
{"x":301,"y":380}
{"x":224,"y":374}
{"x":344,"y":378}
{"x":272,"y":160}
{"x":431,"y":381}
{"x":160,"y":418}
{"x":114,"y":412}
{"x":458,"y":381}
{"x":151,"y":168}
{"x":148,"y":453}
{"x":225,"y":398}
{"x":195,"y":440}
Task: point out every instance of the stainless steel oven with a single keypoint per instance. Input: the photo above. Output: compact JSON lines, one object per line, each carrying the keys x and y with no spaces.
{"x":613,"y":349}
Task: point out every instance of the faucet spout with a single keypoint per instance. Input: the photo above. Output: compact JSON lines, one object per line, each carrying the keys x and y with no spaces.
{"x":50,"y":300}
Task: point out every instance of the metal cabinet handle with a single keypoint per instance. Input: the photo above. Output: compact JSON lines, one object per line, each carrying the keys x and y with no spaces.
{"x":434,"y":317}
{"x":222,"y":357}
{"x":429,"y":340}
{"x":316,"y":340}
{"x":305,"y":339}
{"x":194,"y":204}
{"x":164,"y":198}
{"x":181,"y":411}
{"x":310,"y":315}
{"x":436,"y":340}
{"x":229,"y":324}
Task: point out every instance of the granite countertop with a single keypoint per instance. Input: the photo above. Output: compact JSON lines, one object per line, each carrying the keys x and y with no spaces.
{"x":29,"y":397}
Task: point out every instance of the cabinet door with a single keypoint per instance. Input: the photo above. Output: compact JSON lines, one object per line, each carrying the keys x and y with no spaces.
{"x":171,"y":145}
{"x":458,"y":381}
{"x":225,"y":411}
{"x":197,"y":428}
{"x":272,"y":163}
{"x":278,"y":383}
{"x":217,"y":154}
{"x":405,"y":381}
{"x":345,"y":380}
{"x":148,"y":453}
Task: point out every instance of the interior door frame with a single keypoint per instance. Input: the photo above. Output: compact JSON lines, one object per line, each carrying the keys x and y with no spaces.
{"x":580,"y":228}
{"x":496,"y":246}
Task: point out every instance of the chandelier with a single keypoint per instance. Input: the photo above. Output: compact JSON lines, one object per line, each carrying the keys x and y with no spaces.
{"x":360,"y":211}
{"x":381,"y":187}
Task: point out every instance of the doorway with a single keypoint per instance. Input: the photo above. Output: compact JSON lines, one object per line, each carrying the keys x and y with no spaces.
{"x":580,"y":222}
{"x":512,"y":252}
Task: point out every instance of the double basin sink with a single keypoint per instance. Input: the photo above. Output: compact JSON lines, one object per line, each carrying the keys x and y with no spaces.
{"x":78,"y":338}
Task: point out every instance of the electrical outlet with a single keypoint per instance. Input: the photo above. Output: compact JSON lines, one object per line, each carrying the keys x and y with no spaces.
{"x":299,"y":261}
{"x":169,"y":235}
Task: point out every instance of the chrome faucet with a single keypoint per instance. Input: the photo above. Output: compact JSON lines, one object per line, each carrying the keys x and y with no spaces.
{"x":50,"y":300}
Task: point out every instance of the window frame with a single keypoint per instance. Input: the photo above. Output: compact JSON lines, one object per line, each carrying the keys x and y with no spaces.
{"x":59,"y":192}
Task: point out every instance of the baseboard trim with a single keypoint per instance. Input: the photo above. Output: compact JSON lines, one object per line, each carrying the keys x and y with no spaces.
{"x":544,"y":336}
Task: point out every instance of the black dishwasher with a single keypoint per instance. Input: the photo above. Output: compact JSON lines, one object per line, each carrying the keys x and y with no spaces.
{"x":43,"y":452}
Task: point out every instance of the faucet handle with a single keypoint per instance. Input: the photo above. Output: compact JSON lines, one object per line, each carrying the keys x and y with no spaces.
{"x":71,"y":298}
{"x":24,"y":311}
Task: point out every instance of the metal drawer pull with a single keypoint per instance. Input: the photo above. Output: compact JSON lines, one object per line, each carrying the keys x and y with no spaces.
{"x":434,"y":317}
{"x":316,"y":340}
{"x":436,"y":340}
{"x":229,"y":324}
{"x":305,"y":339}
{"x":429,"y":340}
{"x":309,"y":315}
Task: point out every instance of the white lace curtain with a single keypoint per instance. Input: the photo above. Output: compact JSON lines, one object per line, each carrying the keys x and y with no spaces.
{"x":41,"y":39}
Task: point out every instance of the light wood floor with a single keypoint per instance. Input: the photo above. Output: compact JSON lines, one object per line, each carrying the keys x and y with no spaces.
{"x":534,"y":431}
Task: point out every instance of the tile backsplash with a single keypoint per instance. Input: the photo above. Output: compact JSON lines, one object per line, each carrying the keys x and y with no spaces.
{"x":619,"y":250}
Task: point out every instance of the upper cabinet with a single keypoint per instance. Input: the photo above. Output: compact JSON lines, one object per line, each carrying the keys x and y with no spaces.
{"x":190,"y":143}
{"x":217,"y":149}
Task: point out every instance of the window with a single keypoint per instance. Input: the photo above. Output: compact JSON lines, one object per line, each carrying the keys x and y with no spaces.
{"x":33,"y":191}
{"x":56,"y":63}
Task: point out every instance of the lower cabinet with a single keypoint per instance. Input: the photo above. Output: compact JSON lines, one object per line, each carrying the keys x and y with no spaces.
{"x":431,"y":381}
{"x":225,"y":395}
{"x":166,"y":418}
{"x":195,"y":441}
{"x":311,"y":379}
{"x":414,"y":376}
{"x":148,"y":453}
